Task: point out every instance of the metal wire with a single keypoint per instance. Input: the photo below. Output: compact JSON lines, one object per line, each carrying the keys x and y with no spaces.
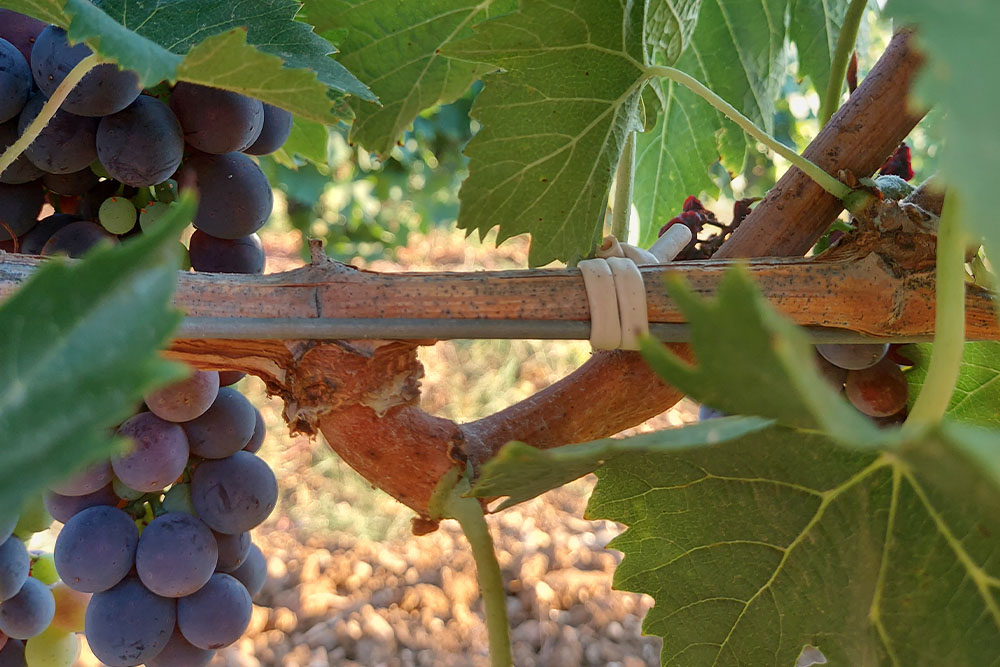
{"x":447,"y":329}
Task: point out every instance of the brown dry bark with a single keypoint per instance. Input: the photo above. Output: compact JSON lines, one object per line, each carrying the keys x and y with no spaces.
{"x":363,"y":395}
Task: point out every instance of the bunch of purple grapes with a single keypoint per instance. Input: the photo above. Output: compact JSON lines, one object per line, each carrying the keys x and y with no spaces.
{"x":113,"y":156}
{"x":156,"y":540}
{"x":160,"y":532}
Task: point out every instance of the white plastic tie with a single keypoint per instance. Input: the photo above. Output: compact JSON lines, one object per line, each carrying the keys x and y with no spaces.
{"x":615,"y":289}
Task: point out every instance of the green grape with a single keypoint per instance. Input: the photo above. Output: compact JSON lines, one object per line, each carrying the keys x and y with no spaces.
{"x":185,"y":257}
{"x":117,"y":215}
{"x":178,"y":499}
{"x":150,"y":213}
{"x":142,"y":197}
{"x":34,"y":519}
{"x":43,"y":568}
{"x":52,"y":648}
{"x":166,"y":191}
{"x":99,"y":169}
{"x":125,"y":492}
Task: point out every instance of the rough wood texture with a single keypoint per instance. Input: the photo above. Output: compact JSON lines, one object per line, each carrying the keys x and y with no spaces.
{"x":363,"y":395}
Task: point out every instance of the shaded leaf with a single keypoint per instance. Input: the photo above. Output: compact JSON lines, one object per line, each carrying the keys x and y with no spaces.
{"x":395,"y":48}
{"x":553,"y":123}
{"x":523,"y":472}
{"x":755,"y":548}
{"x":80,"y":349}
{"x":977,"y":395}
{"x":668,"y":29}
{"x":814,"y":26}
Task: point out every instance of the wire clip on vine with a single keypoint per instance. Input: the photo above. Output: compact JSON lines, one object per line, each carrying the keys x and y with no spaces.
{"x":615,"y":289}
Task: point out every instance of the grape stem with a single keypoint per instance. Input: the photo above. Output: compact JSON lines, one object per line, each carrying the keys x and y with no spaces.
{"x":842,"y":55}
{"x":48,"y":110}
{"x":949,"y":321}
{"x":624,"y":181}
{"x":469,"y":514}
{"x":811,"y":169}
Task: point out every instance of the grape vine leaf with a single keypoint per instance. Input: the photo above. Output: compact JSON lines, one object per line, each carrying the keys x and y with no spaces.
{"x":757,"y":547}
{"x":977,"y":395}
{"x":668,"y":29}
{"x":396,"y":49}
{"x":522,"y":472}
{"x":768,"y":353}
{"x":737,"y":50}
{"x":256,"y":49}
{"x":814,"y":27}
{"x":553,"y":122}
{"x":308,"y":140}
{"x":80,"y":349}
{"x":960,"y":44}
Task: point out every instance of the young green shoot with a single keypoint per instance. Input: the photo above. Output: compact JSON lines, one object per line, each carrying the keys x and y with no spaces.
{"x":841,"y":57}
{"x":624,"y":180}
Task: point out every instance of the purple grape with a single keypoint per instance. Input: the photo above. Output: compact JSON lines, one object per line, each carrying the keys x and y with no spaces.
{"x":253,"y":572}
{"x":259,"y":431}
{"x":94,"y":477}
{"x":215,"y":255}
{"x":72,"y":184}
{"x":90,"y":203}
{"x":235,"y":195}
{"x":103,"y":91}
{"x":234,"y":494}
{"x":879,"y":391}
{"x":35,"y":240}
{"x":214,"y":120}
{"x":233,"y":550}
{"x":177,"y":555}
{"x":63,"y":508}
{"x":183,"y":401}
{"x":20,"y":30}
{"x":96,"y":549}
{"x":142,"y":144}
{"x":274,"y":133}
{"x":217,"y":615}
{"x":19,"y":207}
{"x":224,"y":429}
{"x":22,"y":170}
{"x":159,"y":457}
{"x":853,"y":357}
{"x":834,"y":375}
{"x":7,"y":526}
{"x":129,"y":625}
{"x":705,"y":413}
{"x":67,"y":144}
{"x":15,"y":81}
{"x":229,"y":378}
{"x":180,"y":653}
{"x":76,"y":239}
{"x":12,"y":653}
{"x":28,"y":613}
{"x":15,"y":565}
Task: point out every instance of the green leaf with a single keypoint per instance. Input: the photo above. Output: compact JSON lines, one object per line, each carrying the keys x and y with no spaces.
{"x":752,"y":361}
{"x":308,"y":140}
{"x":977,"y":395}
{"x":396,"y":49}
{"x":815,"y":28}
{"x":668,"y":29}
{"x":80,"y":343}
{"x":757,"y":547}
{"x":553,"y":123}
{"x":522,"y":472}
{"x":256,"y":49}
{"x":959,"y":40}
{"x":737,"y":50}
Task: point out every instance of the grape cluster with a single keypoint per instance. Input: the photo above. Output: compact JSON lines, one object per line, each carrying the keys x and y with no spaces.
{"x":112,"y":158}
{"x":154,"y":562}
{"x":696,"y":217}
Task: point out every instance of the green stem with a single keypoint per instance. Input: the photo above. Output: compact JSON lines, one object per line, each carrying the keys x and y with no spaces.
{"x":949,"y":321}
{"x":469,"y":515}
{"x":48,"y":110}
{"x":841,"y":57}
{"x":823,"y":179}
{"x":624,"y":180}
